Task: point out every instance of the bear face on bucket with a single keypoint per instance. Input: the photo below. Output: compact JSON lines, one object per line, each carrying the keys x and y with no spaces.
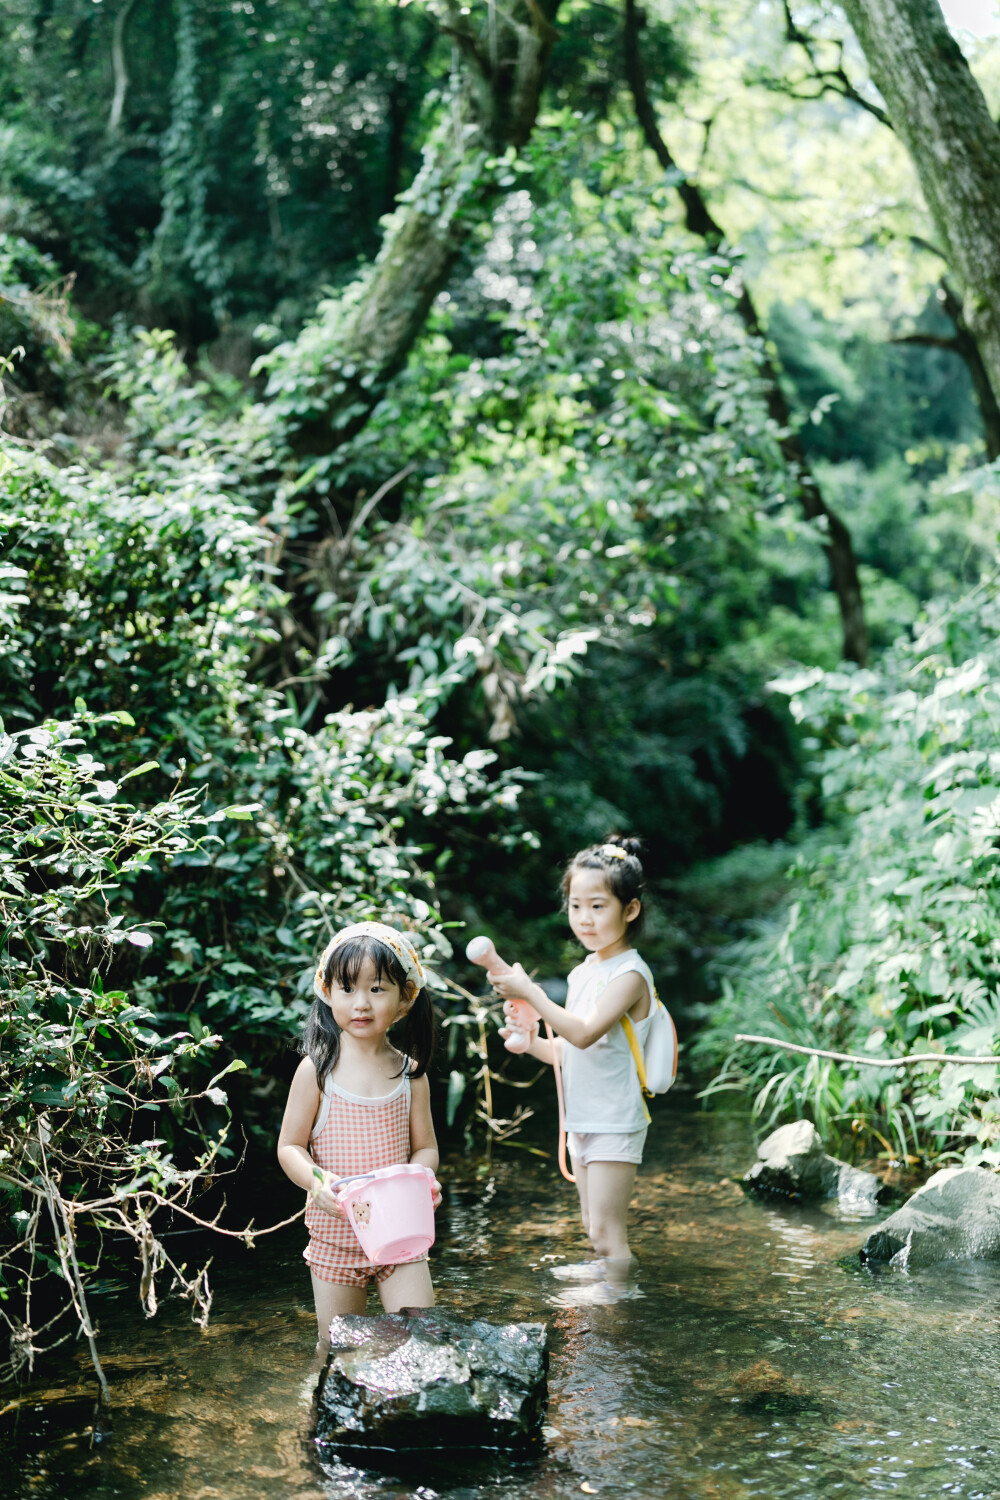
{"x":362,"y":1212}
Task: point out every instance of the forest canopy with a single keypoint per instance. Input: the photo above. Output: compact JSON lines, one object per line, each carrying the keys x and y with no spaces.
{"x":434,"y":436}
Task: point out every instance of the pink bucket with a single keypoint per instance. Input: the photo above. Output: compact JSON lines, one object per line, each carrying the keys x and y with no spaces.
{"x":392,"y":1212}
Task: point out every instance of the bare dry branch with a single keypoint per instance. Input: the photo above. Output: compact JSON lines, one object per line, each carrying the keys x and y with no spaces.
{"x":913,"y":1060}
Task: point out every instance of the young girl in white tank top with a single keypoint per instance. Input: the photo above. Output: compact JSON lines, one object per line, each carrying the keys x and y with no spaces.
{"x":606,"y":1116}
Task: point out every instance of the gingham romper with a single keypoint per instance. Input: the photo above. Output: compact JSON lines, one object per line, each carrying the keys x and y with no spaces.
{"x":353,"y":1135}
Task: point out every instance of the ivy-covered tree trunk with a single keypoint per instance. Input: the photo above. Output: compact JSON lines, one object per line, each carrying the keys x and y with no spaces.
{"x":701,"y":221}
{"x":939,"y":113}
{"x":324,"y":385}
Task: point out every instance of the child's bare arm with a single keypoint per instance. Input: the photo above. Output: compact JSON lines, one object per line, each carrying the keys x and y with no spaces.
{"x":296,"y":1129}
{"x":423,"y":1141}
{"x":541,"y":1048}
{"x":621,"y":996}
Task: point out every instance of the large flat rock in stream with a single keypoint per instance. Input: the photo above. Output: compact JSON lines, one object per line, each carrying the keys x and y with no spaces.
{"x":429,"y":1379}
{"x":955,"y":1215}
{"x":791,"y":1163}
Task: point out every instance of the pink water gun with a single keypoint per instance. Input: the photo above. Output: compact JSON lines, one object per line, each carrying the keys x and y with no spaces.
{"x":521,"y":1025}
{"x":524,"y":1020}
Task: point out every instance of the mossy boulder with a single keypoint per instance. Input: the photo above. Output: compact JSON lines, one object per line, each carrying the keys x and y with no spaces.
{"x":955,"y":1215}
{"x":791,"y":1163}
{"x":430,"y":1380}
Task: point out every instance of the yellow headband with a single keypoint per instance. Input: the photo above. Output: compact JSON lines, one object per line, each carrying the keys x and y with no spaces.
{"x":397,"y":941}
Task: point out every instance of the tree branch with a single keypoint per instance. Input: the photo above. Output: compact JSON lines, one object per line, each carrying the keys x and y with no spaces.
{"x":941,"y":116}
{"x":870,"y":1062}
{"x":701,"y":221}
{"x":119,"y":67}
{"x":932,"y":340}
{"x":966,"y":347}
{"x":829,"y":80}
{"x":346,"y":357}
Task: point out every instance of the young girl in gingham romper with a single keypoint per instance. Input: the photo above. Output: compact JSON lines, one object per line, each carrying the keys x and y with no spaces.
{"x":352,"y":1136}
{"x":357,"y":1103}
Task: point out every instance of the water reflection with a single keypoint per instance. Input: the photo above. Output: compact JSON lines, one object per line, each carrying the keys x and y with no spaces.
{"x":753,"y":1364}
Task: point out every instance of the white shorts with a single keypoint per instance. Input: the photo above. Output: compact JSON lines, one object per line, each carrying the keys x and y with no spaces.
{"x":593,"y":1147}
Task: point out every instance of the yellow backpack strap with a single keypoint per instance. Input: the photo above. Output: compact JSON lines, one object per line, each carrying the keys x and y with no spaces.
{"x":640,"y":1065}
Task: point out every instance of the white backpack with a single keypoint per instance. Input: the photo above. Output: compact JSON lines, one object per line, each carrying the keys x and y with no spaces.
{"x":656,"y":1063}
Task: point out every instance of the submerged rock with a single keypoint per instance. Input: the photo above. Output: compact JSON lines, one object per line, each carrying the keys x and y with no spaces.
{"x":791,"y":1163}
{"x":429,"y":1380}
{"x":764,"y":1390}
{"x":955,"y":1215}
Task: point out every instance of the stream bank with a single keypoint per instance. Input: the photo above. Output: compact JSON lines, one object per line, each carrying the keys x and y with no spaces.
{"x":756,"y":1361}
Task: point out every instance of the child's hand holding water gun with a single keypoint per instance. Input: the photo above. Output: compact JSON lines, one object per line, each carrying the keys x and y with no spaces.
{"x":520,"y":1031}
{"x":514,"y":984}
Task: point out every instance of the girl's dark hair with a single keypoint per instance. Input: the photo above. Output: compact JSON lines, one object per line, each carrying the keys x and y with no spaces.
{"x":413,"y":1035}
{"x":624,"y":877}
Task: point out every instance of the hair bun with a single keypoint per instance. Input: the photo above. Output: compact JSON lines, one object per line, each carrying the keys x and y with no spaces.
{"x":632,"y":847}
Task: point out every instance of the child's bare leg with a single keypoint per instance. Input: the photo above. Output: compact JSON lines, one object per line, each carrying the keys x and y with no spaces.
{"x":408,"y":1286}
{"x":580,"y":1173}
{"x":608,"y":1194}
{"x":332,"y":1301}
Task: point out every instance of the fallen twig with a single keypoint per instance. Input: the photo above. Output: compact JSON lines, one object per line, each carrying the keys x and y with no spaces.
{"x":870,"y":1062}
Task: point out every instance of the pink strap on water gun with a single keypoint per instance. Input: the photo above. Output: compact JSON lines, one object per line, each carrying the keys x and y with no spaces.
{"x":521,"y":1026}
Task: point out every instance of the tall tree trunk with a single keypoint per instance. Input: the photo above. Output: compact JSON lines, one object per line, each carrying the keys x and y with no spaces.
{"x":939,"y":113}
{"x":701,"y":221}
{"x":325,"y":385}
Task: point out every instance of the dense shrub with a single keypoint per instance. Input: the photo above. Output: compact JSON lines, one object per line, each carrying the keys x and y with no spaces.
{"x":92,"y":1087}
{"x":170,"y":876}
{"x":891,"y":944}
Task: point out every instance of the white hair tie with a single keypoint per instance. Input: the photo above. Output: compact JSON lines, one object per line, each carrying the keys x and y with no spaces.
{"x":613,"y":851}
{"x":397,"y":941}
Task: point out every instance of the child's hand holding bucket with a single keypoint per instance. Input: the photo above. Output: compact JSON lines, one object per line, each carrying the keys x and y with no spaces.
{"x":323,"y":1196}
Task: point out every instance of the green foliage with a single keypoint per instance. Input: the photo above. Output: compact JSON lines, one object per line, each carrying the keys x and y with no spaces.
{"x":538,"y":593}
{"x":92,"y":1087}
{"x":257,"y":149}
{"x":155,"y":601}
{"x":587,"y":70}
{"x":934,"y":539}
{"x":604,"y":471}
{"x":871,"y":402}
{"x":891,"y":943}
{"x":36,"y":330}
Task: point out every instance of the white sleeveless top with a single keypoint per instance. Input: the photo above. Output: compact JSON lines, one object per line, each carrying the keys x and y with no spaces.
{"x":601,"y":1082}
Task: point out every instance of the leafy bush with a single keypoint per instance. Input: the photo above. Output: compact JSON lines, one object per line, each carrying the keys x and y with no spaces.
{"x":36,"y":328}
{"x":91,"y":1087}
{"x":603,"y":475}
{"x":891,"y":945}
{"x":181,"y":915}
{"x":156,"y":599}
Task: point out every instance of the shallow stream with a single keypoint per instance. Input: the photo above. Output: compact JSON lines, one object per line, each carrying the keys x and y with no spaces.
{"x":755,"y":1362}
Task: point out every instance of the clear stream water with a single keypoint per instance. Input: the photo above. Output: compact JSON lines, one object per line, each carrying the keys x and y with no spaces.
{"x":757,"y":1362}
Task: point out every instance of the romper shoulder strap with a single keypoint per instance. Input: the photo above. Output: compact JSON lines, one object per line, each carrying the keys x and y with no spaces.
{"x":324,"y":1104}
